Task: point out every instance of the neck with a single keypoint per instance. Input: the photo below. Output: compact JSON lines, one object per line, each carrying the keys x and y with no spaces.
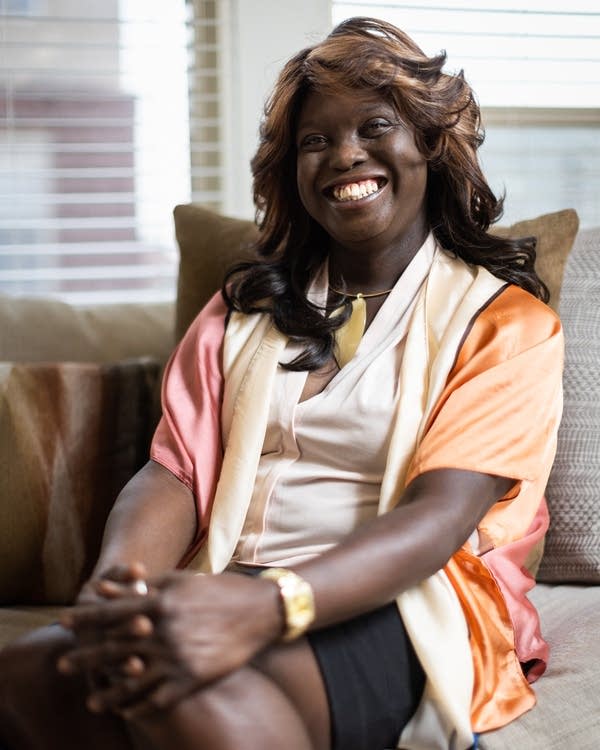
{"x":367,"y":269}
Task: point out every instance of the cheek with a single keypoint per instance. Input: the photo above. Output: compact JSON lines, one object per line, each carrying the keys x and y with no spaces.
{"x":407,"y":151}
{"x":304,"y":182}
{"x":413,"y":169}
{"x":421,"y":176}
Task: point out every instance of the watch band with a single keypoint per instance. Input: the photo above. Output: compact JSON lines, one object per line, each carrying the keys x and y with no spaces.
{"x":298,"y":601}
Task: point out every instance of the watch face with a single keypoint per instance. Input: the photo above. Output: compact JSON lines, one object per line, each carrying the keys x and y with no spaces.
{"x":298,"y":601}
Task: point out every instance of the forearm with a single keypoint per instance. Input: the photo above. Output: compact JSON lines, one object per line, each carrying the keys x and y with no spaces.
{"x":398,"y":550}
{"x":152,"y":522}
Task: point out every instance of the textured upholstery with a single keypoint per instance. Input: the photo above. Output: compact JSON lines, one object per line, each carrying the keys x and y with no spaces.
{"x":567,"y":714}
{"x":572,"y":551}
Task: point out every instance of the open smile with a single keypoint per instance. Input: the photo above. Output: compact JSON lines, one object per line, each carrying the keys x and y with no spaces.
{"x":356,"y":191}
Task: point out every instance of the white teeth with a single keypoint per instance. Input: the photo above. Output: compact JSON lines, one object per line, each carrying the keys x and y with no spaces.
{"x":355,"y":190}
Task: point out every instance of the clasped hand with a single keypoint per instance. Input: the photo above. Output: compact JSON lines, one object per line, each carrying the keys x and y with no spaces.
{"x":144,"y":654}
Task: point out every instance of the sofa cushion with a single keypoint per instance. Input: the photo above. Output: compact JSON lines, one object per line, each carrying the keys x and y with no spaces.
{"x":209,"y":244}
{"x":567,"y":714}
{"x":38,"y":329}
{"x":16,"y":621}
{"x":573,"y":541}
{"x":71,"y":435}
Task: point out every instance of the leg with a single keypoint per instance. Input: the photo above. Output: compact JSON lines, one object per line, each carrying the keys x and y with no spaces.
{"x":278,"y":702}
{"x":40,"y":708}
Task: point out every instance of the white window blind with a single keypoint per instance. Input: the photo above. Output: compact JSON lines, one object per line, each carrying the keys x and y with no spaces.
{"x":95,"y":122}
{"x":206,"y":87}
{"x":535,"y":68}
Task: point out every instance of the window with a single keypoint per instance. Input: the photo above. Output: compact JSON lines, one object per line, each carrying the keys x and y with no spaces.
{"x":94,"y":146}
{"x":535,"y":67}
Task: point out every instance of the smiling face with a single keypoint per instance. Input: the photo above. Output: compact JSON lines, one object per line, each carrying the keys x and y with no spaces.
{"x":360,"y":174}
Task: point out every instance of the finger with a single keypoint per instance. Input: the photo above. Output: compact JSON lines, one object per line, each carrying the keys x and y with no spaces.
{"x":112,"y":582}
{"x":139,"y":626}
{"x":109,"y":613}
{"x":123,"y":692}
{"x":110,"y":589}
{"x":102,"y":656}
{"x":133,"y":666}
{"x":125,"y":573}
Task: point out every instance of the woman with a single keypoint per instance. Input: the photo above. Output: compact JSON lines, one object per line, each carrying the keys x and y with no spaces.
{"x":355,"y":440}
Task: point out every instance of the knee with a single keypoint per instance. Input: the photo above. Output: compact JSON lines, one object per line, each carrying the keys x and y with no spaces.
{"x":28,"y":667}
{"x":220,"y":703}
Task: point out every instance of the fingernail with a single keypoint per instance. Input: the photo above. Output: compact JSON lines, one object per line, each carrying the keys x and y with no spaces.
{"x":94,"y":704}
{"x":65,"y":666}
{"x":142,"y":625}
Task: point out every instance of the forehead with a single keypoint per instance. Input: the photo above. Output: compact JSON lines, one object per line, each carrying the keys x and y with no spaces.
{"x":318,"y":105}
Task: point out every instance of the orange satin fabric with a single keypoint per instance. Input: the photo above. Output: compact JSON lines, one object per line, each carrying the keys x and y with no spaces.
{"x":499,"y":415}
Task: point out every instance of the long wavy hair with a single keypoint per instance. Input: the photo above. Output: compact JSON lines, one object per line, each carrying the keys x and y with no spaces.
{"x":368,"y":54}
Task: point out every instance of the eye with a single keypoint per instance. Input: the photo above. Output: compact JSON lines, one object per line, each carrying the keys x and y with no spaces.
{"x":376,"y":127}
{"x":312,"y":142}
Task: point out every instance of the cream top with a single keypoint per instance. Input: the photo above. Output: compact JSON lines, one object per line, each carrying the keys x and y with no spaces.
{"x":322,"y":462}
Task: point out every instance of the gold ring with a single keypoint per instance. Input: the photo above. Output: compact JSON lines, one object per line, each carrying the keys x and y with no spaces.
{"x":140,"y":587}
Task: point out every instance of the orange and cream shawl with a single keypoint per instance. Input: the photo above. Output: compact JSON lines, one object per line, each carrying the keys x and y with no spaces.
{"x":479,"y":389}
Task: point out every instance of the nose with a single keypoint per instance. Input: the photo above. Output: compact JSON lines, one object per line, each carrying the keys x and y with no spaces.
{"x":346,"y":153}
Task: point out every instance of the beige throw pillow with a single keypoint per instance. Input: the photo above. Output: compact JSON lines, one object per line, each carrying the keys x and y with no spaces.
{"x":38,"y":329}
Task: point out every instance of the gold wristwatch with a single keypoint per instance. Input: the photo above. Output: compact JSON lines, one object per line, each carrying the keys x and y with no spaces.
{"x":297,"y":598}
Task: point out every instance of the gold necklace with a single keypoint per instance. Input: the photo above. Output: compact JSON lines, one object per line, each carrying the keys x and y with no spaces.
{"x":349,"y":335}
{"x":360,"y":294}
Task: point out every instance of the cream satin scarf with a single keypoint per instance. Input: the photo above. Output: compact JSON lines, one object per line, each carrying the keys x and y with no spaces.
{"x":431,"y":612}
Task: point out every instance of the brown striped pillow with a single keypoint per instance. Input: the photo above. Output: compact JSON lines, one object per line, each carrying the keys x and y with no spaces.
{"x":71,"y":435}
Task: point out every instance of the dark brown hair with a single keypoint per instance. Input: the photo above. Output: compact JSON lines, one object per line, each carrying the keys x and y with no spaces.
{"x":366,"y":53}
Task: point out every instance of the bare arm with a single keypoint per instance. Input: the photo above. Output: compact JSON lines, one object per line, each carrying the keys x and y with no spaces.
{"x":152,"y":522}
{"x":373,"y":565}
{"x":212,"y":625}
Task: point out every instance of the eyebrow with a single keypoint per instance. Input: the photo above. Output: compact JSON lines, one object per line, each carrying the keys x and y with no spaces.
{"x":360,"y":109}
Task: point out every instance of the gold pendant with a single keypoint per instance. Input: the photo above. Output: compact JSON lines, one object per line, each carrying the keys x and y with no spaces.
{"x":347,"y":338}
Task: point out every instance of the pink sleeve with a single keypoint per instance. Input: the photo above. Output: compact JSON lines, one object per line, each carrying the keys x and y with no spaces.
{"x":187,"y":440}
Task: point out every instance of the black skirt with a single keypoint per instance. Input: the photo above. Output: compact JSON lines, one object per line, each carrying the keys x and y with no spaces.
{"x":372,"y":676}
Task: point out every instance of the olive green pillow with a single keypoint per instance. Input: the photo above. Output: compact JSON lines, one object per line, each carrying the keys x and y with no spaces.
{"x":555,"y":235}
{"x":209,"y":244}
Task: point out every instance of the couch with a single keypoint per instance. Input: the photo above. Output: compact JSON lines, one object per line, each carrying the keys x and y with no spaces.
{"x":79,"y":401}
